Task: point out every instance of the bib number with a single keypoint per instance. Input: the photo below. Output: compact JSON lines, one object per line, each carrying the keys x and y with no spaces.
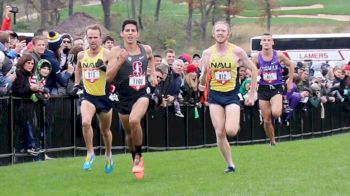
{"x":137,"y":82}
{"x":92,"y":75}
{"x":223,"y":76}
{"x":270,"y":76}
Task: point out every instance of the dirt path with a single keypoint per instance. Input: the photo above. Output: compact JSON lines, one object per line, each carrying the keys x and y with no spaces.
{"x":315,"y":6}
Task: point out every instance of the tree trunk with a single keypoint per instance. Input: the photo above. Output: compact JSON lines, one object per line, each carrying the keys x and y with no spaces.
{"x":228,"y":15}
{"x":189,"y":21}
{"x":156,"y":16}
{"x":140,"y":14}
{"x":2,"y":8}
{"x":106,"y":6}
{"x":133,"y":9}
{"x":43,"y":13}
{"x":70,"y":7}
{"x":204,"y":17}
{"x":26,"y":10}
{"x":268,"y":15}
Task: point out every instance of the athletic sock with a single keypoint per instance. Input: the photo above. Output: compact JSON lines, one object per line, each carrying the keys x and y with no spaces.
{"x":138,"y":150}
{"x":133,"y":155}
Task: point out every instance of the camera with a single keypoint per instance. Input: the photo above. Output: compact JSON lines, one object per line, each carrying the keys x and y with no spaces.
{"x":14,"y":9}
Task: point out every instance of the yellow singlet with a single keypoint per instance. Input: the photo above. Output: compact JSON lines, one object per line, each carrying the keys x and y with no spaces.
{"x":94,"y":79}
{"x":223,"y":70}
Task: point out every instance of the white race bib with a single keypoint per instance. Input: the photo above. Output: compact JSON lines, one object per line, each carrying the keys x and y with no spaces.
{"x":137,"y":81}
{"x":92,"y":75}
{"x":270,"y":76}
{"x":223,"y":76}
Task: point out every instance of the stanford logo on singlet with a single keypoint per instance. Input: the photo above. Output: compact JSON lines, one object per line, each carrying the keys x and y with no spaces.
{"x":137,"y":80}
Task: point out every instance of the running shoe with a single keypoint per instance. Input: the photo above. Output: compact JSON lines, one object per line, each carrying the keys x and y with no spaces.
{"x":89,"y":160}
{"x":109,"y":166}
{"x":137,"y":168}
{"x":230,"y":169}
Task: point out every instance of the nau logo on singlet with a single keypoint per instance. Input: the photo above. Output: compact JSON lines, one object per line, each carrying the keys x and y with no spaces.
{"x":137,"y":80}
{"x":91,"y":73}
{"x":222,"y":71}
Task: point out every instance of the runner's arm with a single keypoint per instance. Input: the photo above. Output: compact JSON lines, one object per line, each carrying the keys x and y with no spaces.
{"x":151,"y":63}
{"x":285,"y":61}
{"x":77,"y":72}
{"x":244,"y":61}
{"x":203,"y":64}
{"x":115,"y":62}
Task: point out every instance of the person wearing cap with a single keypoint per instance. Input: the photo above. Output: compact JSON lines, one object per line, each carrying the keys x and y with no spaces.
{"x":195,"y":59}
{"x":190,"y":90}
{"x":221,"y":61}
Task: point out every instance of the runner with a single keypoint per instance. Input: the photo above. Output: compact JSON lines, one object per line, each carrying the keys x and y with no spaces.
{"x":128,"y":68}
{"x":221,"y":61}
{"x":271,"y":84}
{"x":91,"y":70}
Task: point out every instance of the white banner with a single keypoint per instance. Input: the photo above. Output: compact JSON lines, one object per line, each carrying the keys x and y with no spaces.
{"x":315,"y":55}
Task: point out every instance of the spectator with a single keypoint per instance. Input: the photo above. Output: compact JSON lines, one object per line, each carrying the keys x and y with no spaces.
{"x":108,"y":42}
{"x":190,"y":90}
{"x":23,"y":88}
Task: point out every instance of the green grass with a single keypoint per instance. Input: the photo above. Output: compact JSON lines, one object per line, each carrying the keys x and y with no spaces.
{"x":308,"y":167}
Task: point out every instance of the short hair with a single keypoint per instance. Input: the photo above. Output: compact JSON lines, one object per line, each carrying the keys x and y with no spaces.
{"x":37,"y":38}
{"x":221,"y":22}
{"x":157,"y":55}
{"x":130,"y":21}
{"x":94,"y":27}
{"x":267,"y":34}
{"x":40,"y":31}
{"x":169,"y":51}
{"x":107,"y":38}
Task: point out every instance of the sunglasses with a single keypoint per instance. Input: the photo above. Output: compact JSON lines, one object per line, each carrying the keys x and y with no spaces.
{"x":158,"y":77}
{"x":66,"y":42}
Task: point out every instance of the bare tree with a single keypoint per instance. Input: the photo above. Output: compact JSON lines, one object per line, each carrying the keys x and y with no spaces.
{"x":205,"y":9}
{"x":266,"y":7}
{"x":156,"y":15}
{"x":233,"y":7}
{"x":2,"y":8}
{"x":43,"y":13}
{"x":140,"y":14}
{"x":70,"y":7}
{"x":189,"y":20}
{"x":133,"y":9}
{"x":106,"y":5}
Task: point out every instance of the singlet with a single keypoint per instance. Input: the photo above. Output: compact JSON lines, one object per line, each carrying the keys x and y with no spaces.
{"x":223,"y":70}
{"x":94,"y":80}
{"x":270,"y":71}
{"x":131,"y":77}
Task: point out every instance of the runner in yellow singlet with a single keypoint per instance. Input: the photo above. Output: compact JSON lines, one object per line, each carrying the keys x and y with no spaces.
{"x":91,"y":69}
{"x":222,"y":60}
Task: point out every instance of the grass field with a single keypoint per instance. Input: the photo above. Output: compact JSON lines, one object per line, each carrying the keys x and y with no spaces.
{"x":308,"y":167}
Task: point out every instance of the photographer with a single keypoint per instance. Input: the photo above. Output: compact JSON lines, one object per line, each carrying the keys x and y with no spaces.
{"x":6,"y":21}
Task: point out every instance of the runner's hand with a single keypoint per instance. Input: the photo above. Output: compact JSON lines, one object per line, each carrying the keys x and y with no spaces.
{"x":122,"y":55}
{"x":249,"y":101}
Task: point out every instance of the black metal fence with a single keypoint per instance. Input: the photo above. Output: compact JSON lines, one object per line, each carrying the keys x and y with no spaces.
{"x":57,"y":128}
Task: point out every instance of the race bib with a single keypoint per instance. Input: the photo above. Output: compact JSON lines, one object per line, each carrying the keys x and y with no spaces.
{"x":92,"y":75}
{"x":270,"y":76}
{"x":223,"y":76}
{"x":137,"y":82}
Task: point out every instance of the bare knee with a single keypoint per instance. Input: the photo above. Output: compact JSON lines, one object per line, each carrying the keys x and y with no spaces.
{"x":276,"y":114}
{"x":232,"y":131}
{"x":134,"y":122}
{"x":220,"y":134}
{"x":86,"y":124}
